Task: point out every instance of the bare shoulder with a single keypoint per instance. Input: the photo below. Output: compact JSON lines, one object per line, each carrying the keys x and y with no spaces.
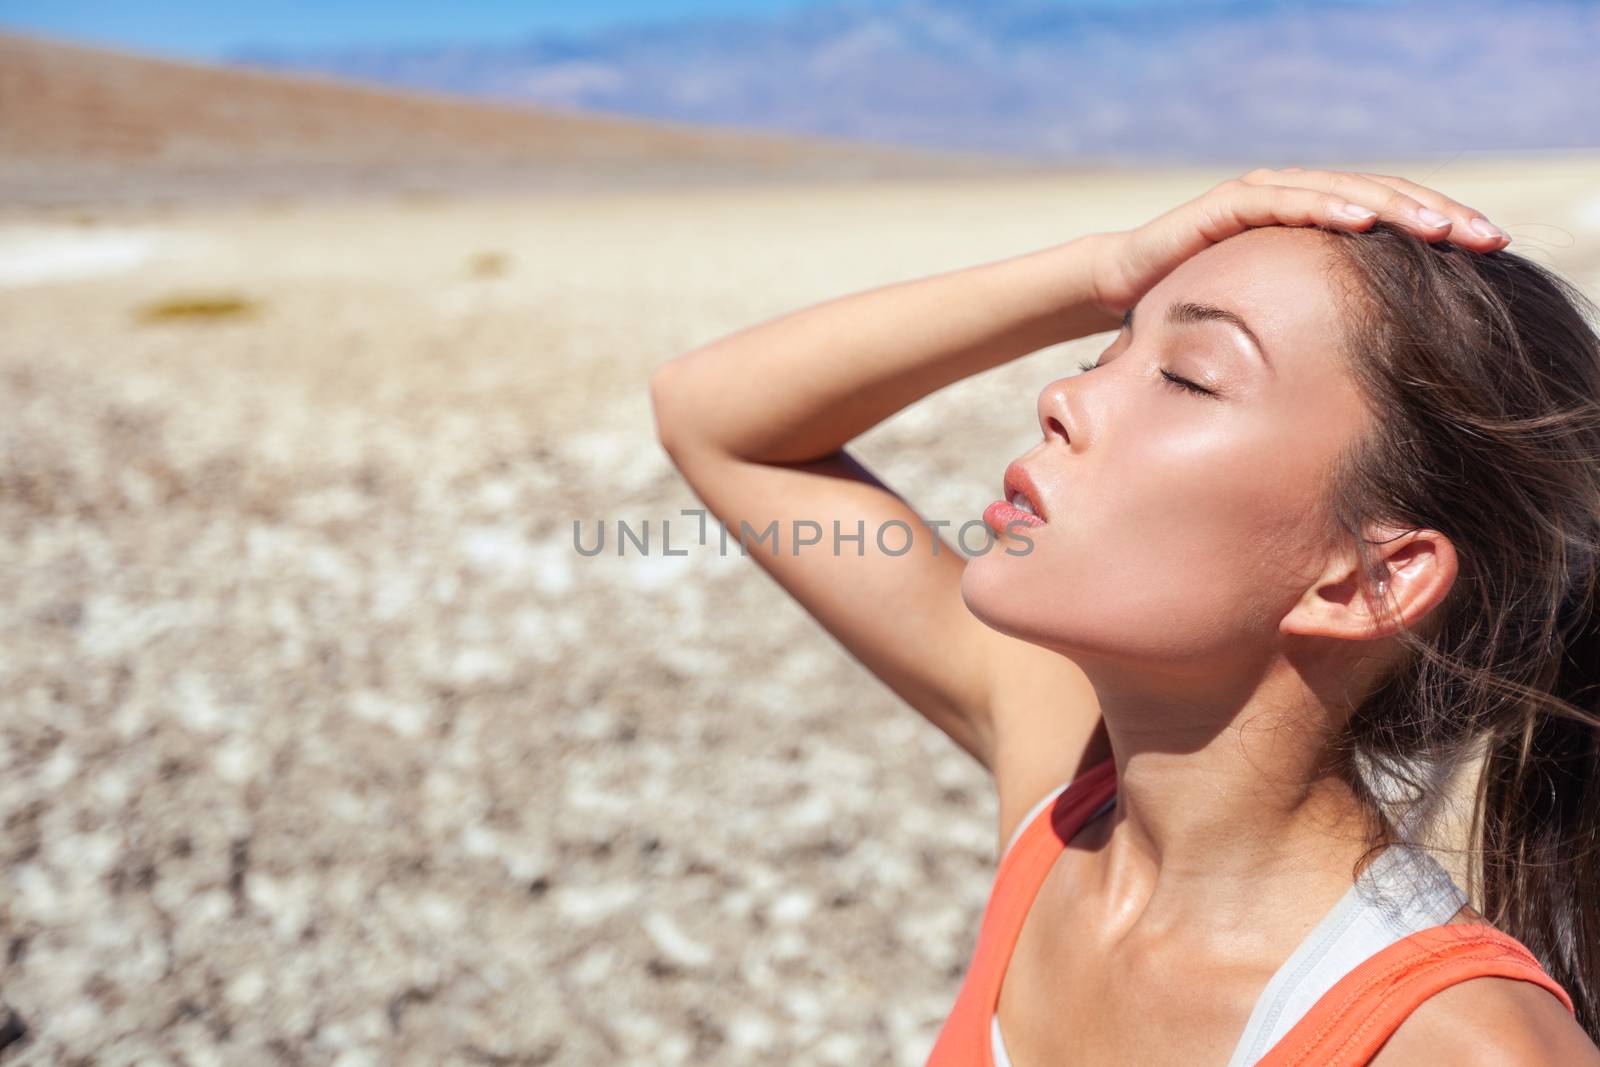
{"x":1490,"y":1022}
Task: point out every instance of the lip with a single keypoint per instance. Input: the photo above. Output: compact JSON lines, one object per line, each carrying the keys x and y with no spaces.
{"x":1004,"y":518}
{"x":1017,"y":480}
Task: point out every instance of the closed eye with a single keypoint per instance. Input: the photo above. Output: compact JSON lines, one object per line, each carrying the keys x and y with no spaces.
{"x":1184,"y":383}
{"x":1167,"y":376}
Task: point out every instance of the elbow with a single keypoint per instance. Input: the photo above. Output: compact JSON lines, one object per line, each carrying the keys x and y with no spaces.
{"x":683,"y":403}
{"x":665,"y":401}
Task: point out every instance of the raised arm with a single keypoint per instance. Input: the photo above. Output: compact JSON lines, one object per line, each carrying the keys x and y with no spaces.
{"x":757,"y":422}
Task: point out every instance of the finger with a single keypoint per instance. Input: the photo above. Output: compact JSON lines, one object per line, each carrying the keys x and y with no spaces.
{"x":1237,"y":205}
{"x":1392,"y":204}
{"x":1426,"y":212}
{"x":1467,"y":218}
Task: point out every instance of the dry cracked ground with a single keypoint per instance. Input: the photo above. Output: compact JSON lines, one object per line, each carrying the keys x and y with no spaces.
{"x":321,"y":742}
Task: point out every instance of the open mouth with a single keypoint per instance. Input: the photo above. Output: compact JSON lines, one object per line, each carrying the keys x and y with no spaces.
{"x":1022,"y":494}
{"x":1020,"y":505}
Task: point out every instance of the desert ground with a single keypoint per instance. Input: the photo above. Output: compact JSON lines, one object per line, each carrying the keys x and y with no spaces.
{"x":323,"y":744}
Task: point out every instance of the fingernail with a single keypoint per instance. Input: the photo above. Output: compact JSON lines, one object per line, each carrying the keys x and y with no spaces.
{"x":1354,"y":213}
{"x":1432,"y":217}
{"x":1485,"y":228}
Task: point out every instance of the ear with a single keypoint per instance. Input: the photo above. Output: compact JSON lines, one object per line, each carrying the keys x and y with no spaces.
{"x":1418,"y":568}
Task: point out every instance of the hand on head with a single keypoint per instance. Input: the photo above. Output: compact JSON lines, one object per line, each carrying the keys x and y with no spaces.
{"x":1130,"y":262}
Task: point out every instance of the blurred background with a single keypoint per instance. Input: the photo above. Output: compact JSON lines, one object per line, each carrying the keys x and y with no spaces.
{"x":321,"y":326}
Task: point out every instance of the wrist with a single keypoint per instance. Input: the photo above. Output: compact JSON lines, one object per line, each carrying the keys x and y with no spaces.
{"x":1081,"y":265}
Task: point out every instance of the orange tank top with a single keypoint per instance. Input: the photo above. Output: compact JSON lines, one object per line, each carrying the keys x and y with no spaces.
{"x":1345,"y":1027}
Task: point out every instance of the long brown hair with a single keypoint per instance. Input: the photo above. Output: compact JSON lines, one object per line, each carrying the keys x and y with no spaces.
{"x":1485,"y":371}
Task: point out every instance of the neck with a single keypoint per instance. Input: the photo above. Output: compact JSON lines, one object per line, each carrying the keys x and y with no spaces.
{"x":1222,"y":804}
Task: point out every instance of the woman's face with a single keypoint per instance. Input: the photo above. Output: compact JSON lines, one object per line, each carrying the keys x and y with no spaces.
{"x":1182,"y":527}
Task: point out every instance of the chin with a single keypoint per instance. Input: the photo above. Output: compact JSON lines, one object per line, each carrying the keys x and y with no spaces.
{"x":1041,"y":601}
{"x":1002,"y":595}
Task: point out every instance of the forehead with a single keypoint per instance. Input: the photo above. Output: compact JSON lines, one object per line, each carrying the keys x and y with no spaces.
{"x":1279,"y":279}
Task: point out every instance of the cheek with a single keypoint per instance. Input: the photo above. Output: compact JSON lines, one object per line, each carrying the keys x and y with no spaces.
{"x":1212,"y":500}
{"x":1176,"y":550}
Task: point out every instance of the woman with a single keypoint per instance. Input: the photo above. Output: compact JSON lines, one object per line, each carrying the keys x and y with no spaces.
{"x":1316,"y":531}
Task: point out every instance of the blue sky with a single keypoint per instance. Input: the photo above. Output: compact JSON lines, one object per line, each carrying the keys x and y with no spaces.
{"x":207,"y":29}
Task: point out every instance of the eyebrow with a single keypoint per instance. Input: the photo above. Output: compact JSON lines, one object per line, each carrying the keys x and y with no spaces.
{"x":1185,"y":313}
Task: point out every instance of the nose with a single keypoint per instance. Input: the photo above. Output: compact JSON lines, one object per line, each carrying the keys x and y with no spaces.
{"x":1056,"y":416}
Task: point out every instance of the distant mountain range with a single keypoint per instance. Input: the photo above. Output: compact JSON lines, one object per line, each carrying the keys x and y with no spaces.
{"x":1209,"y":81}
{"x":88,"y":126}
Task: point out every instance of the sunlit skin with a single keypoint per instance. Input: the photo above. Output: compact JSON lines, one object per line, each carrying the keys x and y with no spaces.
{"x":1186,"y":596}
